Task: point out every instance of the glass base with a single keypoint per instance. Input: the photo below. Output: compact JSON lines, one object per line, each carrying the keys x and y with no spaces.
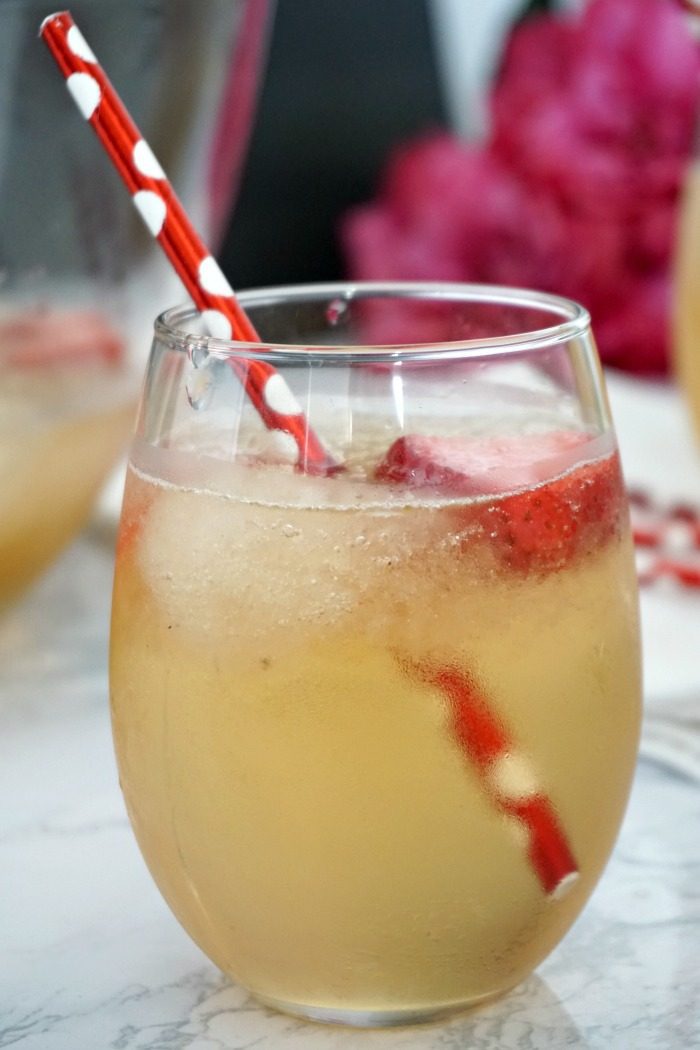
{"x":375,"y":1018}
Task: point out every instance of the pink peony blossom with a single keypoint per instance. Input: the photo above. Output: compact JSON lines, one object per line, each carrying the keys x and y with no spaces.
{"x":576,"y":190}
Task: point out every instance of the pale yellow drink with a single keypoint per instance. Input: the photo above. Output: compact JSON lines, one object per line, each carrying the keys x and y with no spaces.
{"x":687,"y":296}
{"x":59,"y":435}
{"x":299,"y":796}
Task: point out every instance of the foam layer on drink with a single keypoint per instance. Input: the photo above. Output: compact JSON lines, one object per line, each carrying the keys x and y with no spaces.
{"x":331,"y":545}
{"x":206,"y":463}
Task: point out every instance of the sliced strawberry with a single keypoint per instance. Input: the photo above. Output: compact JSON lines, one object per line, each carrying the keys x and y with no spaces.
{"x":544,"y":528}
{"x":478,"y":466}
{"x":543,"y":523}
{"x":41,"y":339}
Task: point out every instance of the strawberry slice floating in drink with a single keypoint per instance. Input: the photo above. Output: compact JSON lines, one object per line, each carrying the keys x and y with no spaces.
{"x":545,"y":528}
{"x":458,"y":466}
{"x":545,"y":513}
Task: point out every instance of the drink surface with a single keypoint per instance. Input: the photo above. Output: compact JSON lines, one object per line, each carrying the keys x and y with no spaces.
{"x":296,"y":781}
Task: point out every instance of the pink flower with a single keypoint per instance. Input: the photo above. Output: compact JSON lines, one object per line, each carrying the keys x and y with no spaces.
{"x":576,"y":190}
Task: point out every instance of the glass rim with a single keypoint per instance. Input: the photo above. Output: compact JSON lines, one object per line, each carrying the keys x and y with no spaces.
{"x":575,"y":322}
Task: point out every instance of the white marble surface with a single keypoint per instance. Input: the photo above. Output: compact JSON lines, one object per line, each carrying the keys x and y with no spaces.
{"x":90,"y":957}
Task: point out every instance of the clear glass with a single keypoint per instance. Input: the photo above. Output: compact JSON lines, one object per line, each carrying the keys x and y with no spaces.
{"x":376,"y":729}
{"x":79,"y":275}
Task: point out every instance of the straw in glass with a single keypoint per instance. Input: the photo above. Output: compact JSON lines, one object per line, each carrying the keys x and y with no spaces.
{"x":478,"y":730}
{"x":167,"y":220}
{"x":505,"y":773}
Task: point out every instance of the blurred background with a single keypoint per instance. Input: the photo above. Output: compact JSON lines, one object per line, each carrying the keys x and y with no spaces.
{"x":540,"y":144}
{"x":345,"y":84}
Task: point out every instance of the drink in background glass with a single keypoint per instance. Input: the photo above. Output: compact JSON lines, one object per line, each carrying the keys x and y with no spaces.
{"x":686,"y":313}
{"x":376,"y":730}
{"x":687,"y":295}
{"x":63,"y":423}
{"x":78,"y":272}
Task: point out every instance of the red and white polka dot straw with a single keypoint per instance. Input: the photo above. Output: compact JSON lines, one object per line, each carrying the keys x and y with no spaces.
{"x":167,"y":220}
{"x":505,"y":774}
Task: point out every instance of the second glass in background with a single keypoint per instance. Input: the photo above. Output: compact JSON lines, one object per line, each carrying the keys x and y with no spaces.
{"x":78,"y":272}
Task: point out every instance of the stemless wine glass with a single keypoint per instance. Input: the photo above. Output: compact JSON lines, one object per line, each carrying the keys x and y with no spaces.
{"x":376,"y":729}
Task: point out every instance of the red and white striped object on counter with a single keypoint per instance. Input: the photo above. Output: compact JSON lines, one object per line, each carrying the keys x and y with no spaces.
{"x":666,"y":539}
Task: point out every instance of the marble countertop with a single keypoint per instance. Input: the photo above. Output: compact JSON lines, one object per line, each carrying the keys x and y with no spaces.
{"x":91,"y":958}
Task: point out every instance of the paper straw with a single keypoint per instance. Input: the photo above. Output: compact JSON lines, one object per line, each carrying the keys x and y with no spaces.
{"x":506,"y":774}
{"x":167,"y":220}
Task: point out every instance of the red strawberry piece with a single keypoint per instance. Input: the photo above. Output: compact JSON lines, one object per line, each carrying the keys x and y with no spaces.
{"x":54,"y":337}
{"x":544,"y":523}
{"x":544,"y":528}
{"x":478,"y":466}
